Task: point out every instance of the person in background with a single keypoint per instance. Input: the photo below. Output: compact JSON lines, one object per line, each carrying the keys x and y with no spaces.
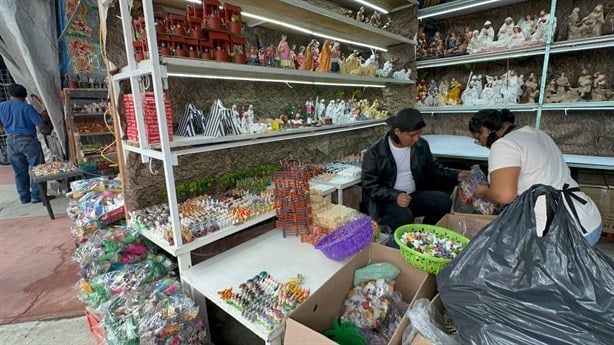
{"x":522,"y":157}
{"x":20,"y":121}
{"x":401,"y":179}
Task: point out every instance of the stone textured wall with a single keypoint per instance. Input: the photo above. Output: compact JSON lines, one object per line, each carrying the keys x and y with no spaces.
{"x":579,"y":132}
{"x":146,"y":189}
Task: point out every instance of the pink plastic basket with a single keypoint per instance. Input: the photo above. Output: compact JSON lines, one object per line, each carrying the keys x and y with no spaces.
{"x":347,"y":240}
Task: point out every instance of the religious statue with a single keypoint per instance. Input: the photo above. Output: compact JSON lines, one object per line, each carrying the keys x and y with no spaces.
{"x":527,"y":25}
{"x":285,"y":55}
{"x":307,"y":64}
{"x":487,"y":34}
{"x":453,"y":44}
{"x":454,"y":92}
{"x":321,"y":110}
{"x":539,"y":36}
{"x":572,"y":24}
{"x":298,"y":61}
{"x":335,"y":56}
{"x":562,"y":83}
{"x":360,"y":15}
{"x":585,"y":83}
{"x":505,"y":31}
{"x":324,"y":64}
{"x":601,"y":87}
{"x":436,"y":46}
{"x":589,"y":26}
{"x":421,"y":48}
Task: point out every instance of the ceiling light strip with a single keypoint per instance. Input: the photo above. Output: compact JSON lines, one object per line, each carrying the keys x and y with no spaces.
{"x":314,"y":33}
{"x":288,"y":81}
{"x":455,"y":8}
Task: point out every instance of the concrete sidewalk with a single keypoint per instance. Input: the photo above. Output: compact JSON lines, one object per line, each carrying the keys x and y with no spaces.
{"x":37,"y":273}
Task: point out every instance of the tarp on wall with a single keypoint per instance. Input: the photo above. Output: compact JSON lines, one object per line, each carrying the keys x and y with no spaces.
{"x":28,"y":45}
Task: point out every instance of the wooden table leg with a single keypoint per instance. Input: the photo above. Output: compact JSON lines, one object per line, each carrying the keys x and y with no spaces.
{"x":42,"y":188}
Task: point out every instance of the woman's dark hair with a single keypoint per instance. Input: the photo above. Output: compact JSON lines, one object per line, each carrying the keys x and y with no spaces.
{"x":490,"y":118}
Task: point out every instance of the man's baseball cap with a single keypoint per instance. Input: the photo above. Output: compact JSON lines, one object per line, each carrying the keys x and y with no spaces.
{"x":407,"y":120}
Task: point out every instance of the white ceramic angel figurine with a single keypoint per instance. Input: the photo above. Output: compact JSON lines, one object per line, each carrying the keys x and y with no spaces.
{"x":527,"y":25}
{"x":236,"y":116}
{"x":321,"y":110}
{"x":488,"y":95}
{"x":539,"y":36}
{"x":339,"y":111}
{"x":330,"y":110}
{"x":470,"y":95}
{"x":386,"y":71}
{"x":248,"y":119}
{"x":505,"y":31}
{"x":517,"y":38}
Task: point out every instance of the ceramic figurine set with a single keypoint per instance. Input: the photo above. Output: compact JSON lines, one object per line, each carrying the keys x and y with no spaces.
{"x":589,"y":87}
{"x":508,"y":88}
{"x":375,"y":19}
{"x":589,"y":26}
{"x":526,"y":31}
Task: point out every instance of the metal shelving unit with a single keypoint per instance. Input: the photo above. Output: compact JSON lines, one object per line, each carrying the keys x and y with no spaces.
{"x":160,"y":68}
{"x":463,"y":7}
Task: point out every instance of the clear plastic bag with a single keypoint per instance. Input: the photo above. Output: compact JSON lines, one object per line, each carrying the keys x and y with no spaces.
{"x":428,"y":321}
{"x":368,"y":303}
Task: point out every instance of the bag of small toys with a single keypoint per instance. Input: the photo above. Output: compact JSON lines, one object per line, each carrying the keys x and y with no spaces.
{"x":467,"y":189}
{"x":156,"y":313}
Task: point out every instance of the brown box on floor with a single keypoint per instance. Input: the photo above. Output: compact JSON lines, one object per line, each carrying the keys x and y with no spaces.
{"x":307,"y":323}
{"x":465,"y":224}
{"x":599,"y":187}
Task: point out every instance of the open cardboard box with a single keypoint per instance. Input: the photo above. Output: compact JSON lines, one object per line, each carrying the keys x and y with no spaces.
{"x":314,"y":316}
{"x":466,"y":224}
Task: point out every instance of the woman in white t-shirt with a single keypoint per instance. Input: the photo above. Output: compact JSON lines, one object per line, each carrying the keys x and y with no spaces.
{"x":522,"y":157}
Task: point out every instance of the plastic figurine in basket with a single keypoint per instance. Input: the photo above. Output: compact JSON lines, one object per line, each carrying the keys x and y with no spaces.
{"x":20,"y":121}
{"x":397,"y":185}
{"x":523,"y":157}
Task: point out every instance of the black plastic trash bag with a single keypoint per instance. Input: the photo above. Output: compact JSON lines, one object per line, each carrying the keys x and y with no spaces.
{"x":510,"y":287}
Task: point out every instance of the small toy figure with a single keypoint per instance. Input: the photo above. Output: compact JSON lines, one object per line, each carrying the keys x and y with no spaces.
{"x":453,"y":44}
{"x":436,"y":47}
{"x":454,"y":92}
{"x":601,"y":88}
{"x":539,"y":36}
{"x":562,"y":83}
{"x":321,"y":110}
{"x":252,"y":58}
{"x":517,"y":39}
{"x":269,"y":54}
{"x":360,"y":15}
{"x":389,"y":25}
{"x":375,"y":19}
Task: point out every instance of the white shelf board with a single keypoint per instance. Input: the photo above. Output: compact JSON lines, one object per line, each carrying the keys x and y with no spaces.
{"x":605,"y":105}
{"x":175,"y":250}
{"x":282,"y":258}
{"x":598,"y":42}
{"x":197,"y":144}
{"x":464,"y":147}
{"x":198,"y":68}
{"x":503,"y":54}
{"x":339,"y":182}
{"x":320,"y":20}
{"x":460,"y":8}
{"x":472,"y":109}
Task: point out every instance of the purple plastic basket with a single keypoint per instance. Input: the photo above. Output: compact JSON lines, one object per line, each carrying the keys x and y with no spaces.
{"x":347,"y":240}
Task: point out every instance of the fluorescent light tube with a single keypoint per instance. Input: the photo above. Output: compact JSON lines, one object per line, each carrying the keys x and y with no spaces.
{"x":314,"y":33}
{"x":455,"y":8}
{"x":368,"y":4}
{"x":288,"y":81}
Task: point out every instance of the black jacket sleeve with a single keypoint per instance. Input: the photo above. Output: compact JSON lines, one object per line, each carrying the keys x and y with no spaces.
{"x":373,"y":180}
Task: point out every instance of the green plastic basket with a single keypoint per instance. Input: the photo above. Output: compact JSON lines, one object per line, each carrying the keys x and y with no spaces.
{"x":424,"y":262}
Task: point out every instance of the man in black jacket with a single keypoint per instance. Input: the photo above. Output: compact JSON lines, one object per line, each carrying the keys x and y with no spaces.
{"x":400,"y":177}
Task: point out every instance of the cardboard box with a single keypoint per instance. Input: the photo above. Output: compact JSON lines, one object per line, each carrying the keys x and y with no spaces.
{"x":307,"y":323}
{"x":604,"y":198}
{"x":465,"y":224}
